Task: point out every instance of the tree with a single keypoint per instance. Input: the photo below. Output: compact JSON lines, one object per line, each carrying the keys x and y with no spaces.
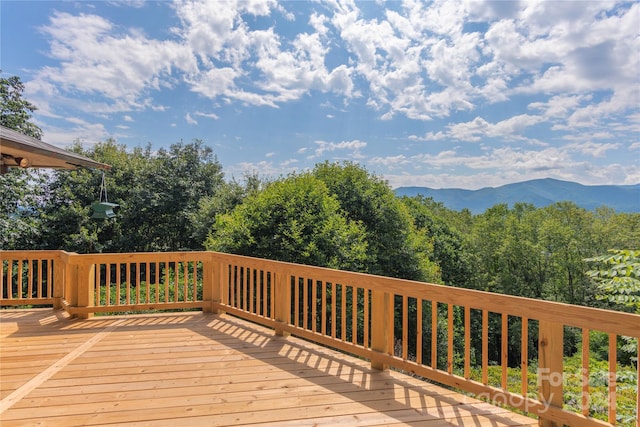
{"x":295,"y":219}
{"x":15,"y":112}
{"x":395,"y":247}
{"x":20,"y":188}
{"x":437,"y":224}
{"x":226,"y":197}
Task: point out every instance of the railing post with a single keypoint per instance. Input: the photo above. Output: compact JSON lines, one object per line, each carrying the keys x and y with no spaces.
{"x":210,"y":292}
{"x":381,"y":325}
{"x":86,"y":277}
{"x":59,"y":279}
{"x":282,"y":296}
{"x":550,"y":367}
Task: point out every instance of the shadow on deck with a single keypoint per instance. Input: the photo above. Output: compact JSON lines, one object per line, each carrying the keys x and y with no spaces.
{"x":199,"y":369}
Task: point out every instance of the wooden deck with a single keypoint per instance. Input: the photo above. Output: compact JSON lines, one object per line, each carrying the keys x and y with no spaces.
{"x":190,"y":369}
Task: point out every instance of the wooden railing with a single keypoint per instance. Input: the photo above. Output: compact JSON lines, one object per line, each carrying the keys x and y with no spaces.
{"x":406,"y":325}
{"x":28,"y":277}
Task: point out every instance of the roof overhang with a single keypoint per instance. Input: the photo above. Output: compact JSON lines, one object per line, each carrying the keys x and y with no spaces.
{"x":18,"y":150}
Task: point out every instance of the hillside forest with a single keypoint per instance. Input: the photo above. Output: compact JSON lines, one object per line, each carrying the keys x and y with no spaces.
{"x":337,"y":215}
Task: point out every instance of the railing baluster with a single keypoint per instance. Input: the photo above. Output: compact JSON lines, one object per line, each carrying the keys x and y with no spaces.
{"x":419,"y":337}
{"x":50,"y":279}
{"x":127,"y":279}
{"x":258,"y":285}
{"x":405,"y":326}
{"x":167,"y":275}
{"x":354,"y":315}
{"x":485,"y":347}
{"x":20,"y":281}
{"x":265,"y":299}
{"x":148,"y":282}
{"x":367,"y":319}
{"x":118,"y":282}
{"x":296,"y":302}
{"x":30,"y":278}
{"x":314,"y":305}
{"x":613,"y":358}
{"x":185,"y":283}
{"x":323,"y":308}
{"x":176,"y":280}
{"x":504,"y":350}
{"x":39,"y":282}
{"x":467,"y":342}
{"x":343,"y":312}
{"x":246,"y":278}
{"x":450,"y":338}
{"x":524,"y":357}
{"x":434,"y":334}
{"x":99,"y":283}
{"x":334,"y":309}
{"x":194,"y":294}
{"x":584,"y":404}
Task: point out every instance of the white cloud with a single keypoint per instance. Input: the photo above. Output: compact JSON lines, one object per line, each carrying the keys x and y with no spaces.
{"x":190,"y":119}
{"x":352,"y":146}
{"x":208,"y":115}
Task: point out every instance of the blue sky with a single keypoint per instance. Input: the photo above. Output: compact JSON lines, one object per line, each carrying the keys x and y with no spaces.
{"x":444,"y":94}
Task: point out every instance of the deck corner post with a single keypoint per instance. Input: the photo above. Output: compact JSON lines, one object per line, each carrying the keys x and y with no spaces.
{"x":282,"y":297}
{"x":550,"y":368}
{"x":381,"y":326}
{"x":86,"y":277}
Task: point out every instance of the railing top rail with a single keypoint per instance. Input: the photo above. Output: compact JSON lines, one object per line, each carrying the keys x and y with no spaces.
{"x":26,"y":254}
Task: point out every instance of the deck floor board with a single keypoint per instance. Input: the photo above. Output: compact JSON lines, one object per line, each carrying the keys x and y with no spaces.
{"x":192,"y":369}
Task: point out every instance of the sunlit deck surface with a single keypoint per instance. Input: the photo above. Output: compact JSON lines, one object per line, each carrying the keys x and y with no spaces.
{"x":190,"y":369}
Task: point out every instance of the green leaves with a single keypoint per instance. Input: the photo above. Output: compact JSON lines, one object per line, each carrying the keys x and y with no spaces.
{"x":295,"y":220}
{"x":15,"y":112}
{"x":618,"y":278}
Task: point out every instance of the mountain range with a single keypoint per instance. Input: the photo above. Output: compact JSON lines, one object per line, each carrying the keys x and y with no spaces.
{"x":539,"y":192}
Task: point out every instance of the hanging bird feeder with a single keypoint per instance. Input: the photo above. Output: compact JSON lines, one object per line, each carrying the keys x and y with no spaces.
{"x":102,"y":209}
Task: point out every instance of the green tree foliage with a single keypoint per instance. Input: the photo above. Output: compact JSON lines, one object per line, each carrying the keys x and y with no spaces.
{"x":395,"y":247}
{"x":15,"y":111}
{"x":295,"y":219}
{"x":20,"y":188}
{"x":225,"y":198}
{"x":618,"y":277}
{"x":437,"y":224}
{"x":19,"y":220}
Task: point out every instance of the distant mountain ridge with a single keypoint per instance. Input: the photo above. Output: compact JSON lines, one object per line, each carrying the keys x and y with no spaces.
{"x":539,"y":192}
